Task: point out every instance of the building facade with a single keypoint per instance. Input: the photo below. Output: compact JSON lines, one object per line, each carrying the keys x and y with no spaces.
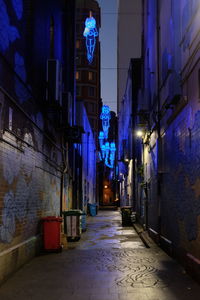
{"x":166,"y":110}
{"x":41,"y":141}
{"x":129,"y":47}
{"x":87,"y":165}
{"x":88,"y":73}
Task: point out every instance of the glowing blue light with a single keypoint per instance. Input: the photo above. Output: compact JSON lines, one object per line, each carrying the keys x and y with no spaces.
{"x":105,"y":114}
{"x":112,"y":153}
{"x":112,"y":147}
{"x":107,"y":149}
{"x":100,"y":157}
{"x":105,"y":117}
{"x":103,"y":150}
{"x":101,"y":138}
{"x":90,"y":33}
{"x":101,"y":135}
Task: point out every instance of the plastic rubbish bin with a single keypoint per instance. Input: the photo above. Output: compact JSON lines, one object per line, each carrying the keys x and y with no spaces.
{"x":51,"y":233}
{"x":72,"y":224}
{"x":92,"y":209}
{"x":83,"y":221}
{"x":133,"y":217}
{"x":126,"y":215}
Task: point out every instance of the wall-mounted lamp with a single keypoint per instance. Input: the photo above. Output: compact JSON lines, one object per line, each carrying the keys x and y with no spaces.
{"x":139,"y":133}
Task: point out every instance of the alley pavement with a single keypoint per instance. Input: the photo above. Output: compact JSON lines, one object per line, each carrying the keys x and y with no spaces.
{"x":110,"y":262}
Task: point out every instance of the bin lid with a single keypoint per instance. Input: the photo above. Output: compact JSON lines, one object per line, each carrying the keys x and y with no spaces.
{"x":72,"y":212}
{"x":52,"y":218}
{"x":126,"y":208}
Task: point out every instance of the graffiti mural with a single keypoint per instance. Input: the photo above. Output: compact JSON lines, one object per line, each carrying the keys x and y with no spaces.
{"x":10,"y":173}
{"x":32,"y":192}
{"x":21,"y":195}
{"x":7,"y":228}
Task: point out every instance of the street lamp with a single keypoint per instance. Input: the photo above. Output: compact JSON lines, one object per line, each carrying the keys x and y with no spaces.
{"x":139,"y":133}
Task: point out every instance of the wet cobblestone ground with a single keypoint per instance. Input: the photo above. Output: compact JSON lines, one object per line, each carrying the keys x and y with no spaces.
{"x":110,"y":262}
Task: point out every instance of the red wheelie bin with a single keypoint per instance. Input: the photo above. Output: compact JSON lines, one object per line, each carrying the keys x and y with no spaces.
{"x":51,"y":234}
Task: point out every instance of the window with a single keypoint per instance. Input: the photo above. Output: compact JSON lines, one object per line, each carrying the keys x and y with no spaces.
{"x":70,"y":109}
{"x":78,"y":90}
{"x":78,"y":60}
{"x":78,"y":44}
{"x":78,"y":28}
{"x":78,"y":75}
{"x":91,"y":91}
{"x":90,"y":75}
{"x":10,"y":118}
{"x":91,"y":107}
{"x":52,"y":36}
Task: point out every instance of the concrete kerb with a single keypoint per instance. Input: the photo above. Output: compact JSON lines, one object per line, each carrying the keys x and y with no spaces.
{"x":143,"y":234}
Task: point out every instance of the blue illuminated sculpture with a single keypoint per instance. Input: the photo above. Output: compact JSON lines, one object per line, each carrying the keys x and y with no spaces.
{"x":101,"y":138}
{"x":108,"y":150}
{"x":90,"y":33}
{"x":105,"y":117}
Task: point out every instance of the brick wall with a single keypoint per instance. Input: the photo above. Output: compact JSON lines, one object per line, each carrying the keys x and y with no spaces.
{"x":176,"y":198}
{"x":30,"y":150}
{"x":30,"y":179}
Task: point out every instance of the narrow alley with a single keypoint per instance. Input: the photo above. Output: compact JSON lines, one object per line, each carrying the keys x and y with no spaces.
{"x":110,"y":262}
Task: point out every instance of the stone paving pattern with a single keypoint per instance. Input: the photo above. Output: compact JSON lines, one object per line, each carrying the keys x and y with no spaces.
{"x":110,"y":262}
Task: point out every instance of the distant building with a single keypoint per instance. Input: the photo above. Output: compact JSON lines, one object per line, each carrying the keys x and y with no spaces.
{"x":107,"y":175}
{"x":88,"y":73}
{"x":128,"y":41}
{"x":127,"y":144}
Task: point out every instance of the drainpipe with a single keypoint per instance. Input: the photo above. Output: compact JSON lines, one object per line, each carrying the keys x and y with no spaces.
{"x":64,"y":171}
{"x":158,"y":115}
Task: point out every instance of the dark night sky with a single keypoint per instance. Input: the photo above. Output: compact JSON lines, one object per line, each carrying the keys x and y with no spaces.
{"x":108,"y":38}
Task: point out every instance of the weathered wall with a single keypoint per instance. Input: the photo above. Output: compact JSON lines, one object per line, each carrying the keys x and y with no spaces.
{"x":30,"y":150}
{"x":174,"y":195}
{"x":29,"y":189}
{"x":88,"y":153}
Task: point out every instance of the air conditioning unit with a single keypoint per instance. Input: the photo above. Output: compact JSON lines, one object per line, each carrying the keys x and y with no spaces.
{"x":54,"y":81}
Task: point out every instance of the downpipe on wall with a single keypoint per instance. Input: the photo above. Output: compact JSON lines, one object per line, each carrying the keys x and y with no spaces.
{"x":159,"y":145}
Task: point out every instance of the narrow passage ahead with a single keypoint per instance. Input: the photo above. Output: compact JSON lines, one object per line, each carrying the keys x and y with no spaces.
{"x":110,"y":262}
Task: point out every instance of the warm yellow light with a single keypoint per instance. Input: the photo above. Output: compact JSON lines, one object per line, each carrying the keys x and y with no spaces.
{"x":139,"y":133}
{"x":105,"y":186}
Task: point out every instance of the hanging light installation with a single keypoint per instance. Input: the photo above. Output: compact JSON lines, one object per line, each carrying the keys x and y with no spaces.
{"x":90,"y":33}
{"x":108,"y":149}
